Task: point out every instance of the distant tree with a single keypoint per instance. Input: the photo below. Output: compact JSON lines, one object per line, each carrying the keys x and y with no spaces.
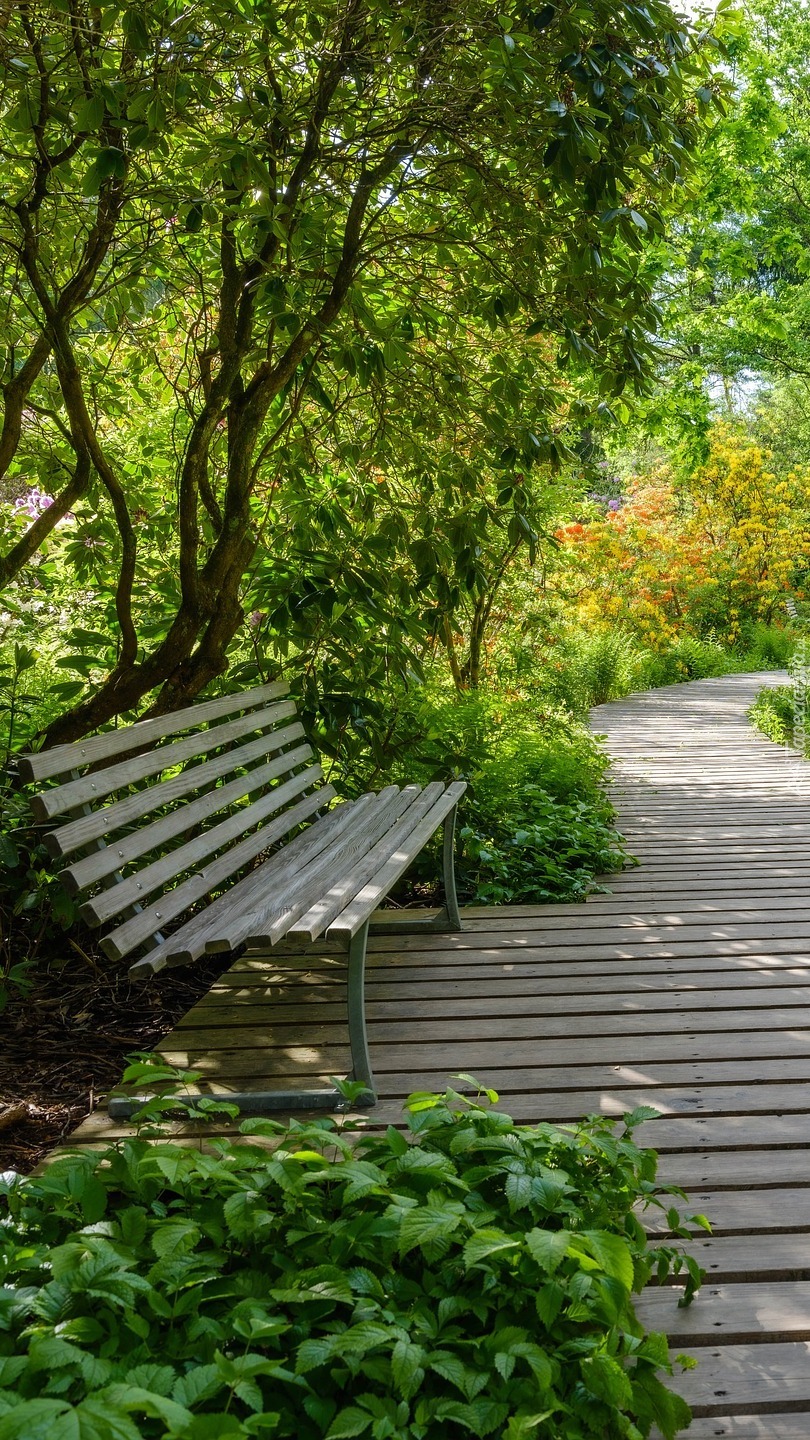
{"x":735,"y":279}
{"x":221,"y":221}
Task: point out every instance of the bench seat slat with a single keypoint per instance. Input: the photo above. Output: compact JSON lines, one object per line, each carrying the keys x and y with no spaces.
{"x":261,"y":888}
{"x":102,"y":823}
{"x":149,"y":920}
{"x":367,"y":899}
{"x":150,"y":837}
{"x":277,"y":914}
{"x":78,"y":753}
{"x":189,"y":942}
{"x":348,"y":878}
{"x":175,"y":862}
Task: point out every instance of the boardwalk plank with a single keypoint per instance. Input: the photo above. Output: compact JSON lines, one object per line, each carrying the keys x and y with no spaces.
{"x":735,"y":1314}
{"x":753,"y":1379}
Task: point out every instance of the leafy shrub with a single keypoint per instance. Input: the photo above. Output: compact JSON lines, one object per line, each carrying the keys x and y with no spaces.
{"x":476,"y":1281}
{"x":537,"y":849}
{"x":769,"y":645}
{"x":689,"y":658}
{"x":773,"y":713}
{"x":536,"y":824}
{"x":592,"y":668}
{"x":34,"y":907}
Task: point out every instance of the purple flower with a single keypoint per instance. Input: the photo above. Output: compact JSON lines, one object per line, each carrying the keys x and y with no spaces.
{"x":255,"y":619}
{"x":33,"y":503}
{"x":614,"y":505}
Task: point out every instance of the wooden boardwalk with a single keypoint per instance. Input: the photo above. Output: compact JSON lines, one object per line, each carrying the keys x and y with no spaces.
{"x":686,"y":988}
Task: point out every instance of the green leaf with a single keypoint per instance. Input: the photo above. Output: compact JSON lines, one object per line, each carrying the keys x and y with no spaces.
{"x":348,"y":1422}
{"x":212,"y":1426}
{"x":430,"y":1226}
{"x":485,"y":1243}
{"x":90,"y":115}
{"x":11,"y":1368}
{"x":134,"y":26}
{"x":135,"y":1397}
{"x":548,"y":1247}
{"x":174,"y":1237}
{"x":40,"y":1420}
{"x":606,"y":1379}
{"x":407,"y":1367}
{"x":611,"y":1252}
{"x":196,"y":1385}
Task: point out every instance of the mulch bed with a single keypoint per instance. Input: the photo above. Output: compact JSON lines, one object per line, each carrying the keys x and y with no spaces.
{"x":65,"y":1043}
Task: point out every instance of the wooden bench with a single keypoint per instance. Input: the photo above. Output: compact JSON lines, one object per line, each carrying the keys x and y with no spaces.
{"x":224,"y":798}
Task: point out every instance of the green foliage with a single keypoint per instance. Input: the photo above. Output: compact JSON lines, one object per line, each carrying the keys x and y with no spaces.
{"x":473,"y":1277}
{"x":774,"y":713}
{"x":769,"y":646}
{"x":592,"y":668}
{"x":690,"y":658}
{"x":34,"y":908}
{"x":535,"y":824}
{"x":537,"y":849}
{"x":276,"y":252}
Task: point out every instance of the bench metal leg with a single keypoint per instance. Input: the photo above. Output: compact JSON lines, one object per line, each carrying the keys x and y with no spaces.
{"x":358,"y":1036}
{"x":258,"y":1102}
{"x":449,"y":916}
{"x":449,"y":871}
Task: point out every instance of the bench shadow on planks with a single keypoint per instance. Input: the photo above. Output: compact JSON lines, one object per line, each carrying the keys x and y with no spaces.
{"x":225,"y":796}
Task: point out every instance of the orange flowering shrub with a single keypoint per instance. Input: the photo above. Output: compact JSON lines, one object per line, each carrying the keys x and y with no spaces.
{"x":707,"y":556}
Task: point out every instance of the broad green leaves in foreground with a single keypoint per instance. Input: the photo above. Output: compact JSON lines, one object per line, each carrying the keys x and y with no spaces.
{"x":476,"y":1281}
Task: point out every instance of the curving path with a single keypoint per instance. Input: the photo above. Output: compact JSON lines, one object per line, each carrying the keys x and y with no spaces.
{"x":687,"y":988}
{"x":720,"y":905}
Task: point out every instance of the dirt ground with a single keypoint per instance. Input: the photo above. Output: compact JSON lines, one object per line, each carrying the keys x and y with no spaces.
{"x":64,"y":1044}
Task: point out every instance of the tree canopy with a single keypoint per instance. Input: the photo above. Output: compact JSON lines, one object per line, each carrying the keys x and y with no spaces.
{"x":265,"y":263}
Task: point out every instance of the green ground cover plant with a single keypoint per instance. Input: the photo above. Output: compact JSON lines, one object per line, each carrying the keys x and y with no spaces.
{"x":469,"y":1277}
{"x":536,"y":823}
{"x":773,"y":712}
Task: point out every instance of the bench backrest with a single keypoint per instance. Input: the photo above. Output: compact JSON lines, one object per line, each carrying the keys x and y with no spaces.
{"x":161,"y":813}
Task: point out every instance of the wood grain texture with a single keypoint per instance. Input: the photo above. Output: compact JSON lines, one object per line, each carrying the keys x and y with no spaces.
{"x":63,"y":758}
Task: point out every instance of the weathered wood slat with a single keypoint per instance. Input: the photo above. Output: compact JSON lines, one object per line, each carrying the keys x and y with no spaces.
{"x":365,"y":902}
{"x":541,"y":1080}
{"x":190,"y":941}
{"x":91,"y":788}
{"x":737,"y":1169}
{"x":760,"y":1212}
{"x":313,"y":919}
{"x":135,"y":931}
{"x":754,"y":1379}
{"x":104,"y":822}
{"x":751,"y":1427}
{"x":279,"y":913}
{"x":746,"y":1259}
{"x":733,"y":1314}
{"x":495,"y":1005}
{"x":540,"y":1028}
{"x":391,"y":976}
{"x":74,"y":756}
{"x":483,"y":972}
{"x":181,"y":859}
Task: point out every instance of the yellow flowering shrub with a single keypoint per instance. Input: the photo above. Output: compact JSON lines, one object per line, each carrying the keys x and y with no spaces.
{"x":707,"y":556}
